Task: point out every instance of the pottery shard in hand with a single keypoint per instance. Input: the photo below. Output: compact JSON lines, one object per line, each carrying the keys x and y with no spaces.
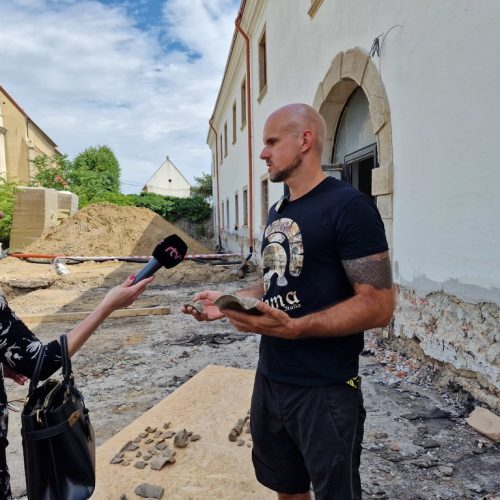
{"x":238,"y":303}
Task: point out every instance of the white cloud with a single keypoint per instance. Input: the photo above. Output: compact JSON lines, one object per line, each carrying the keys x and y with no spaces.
{"x":88,"y":76}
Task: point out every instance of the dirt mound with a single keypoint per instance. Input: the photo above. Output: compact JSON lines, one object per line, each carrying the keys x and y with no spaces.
{"x":103,"y":229}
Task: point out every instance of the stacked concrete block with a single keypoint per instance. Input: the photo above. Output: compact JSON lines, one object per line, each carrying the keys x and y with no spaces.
{"x":67,"y":204}
{"x":35,"y":210}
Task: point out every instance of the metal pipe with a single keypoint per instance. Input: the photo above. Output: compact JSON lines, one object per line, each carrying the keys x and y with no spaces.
{"x":249,"y":126}
{"x":115,"y":257}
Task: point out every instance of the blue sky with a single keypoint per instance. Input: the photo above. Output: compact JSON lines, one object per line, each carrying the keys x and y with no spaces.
{"x":139,"y":76}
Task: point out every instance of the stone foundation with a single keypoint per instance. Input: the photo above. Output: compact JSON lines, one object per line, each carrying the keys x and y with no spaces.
{"x":460,"y":339}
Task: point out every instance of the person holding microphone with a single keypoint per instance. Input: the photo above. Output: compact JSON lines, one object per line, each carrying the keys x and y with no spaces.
{"x":19,"y":348}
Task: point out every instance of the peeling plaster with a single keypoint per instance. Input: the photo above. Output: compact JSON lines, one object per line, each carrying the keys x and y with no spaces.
{"x":467,"y":291}
{"x":461,"y":334}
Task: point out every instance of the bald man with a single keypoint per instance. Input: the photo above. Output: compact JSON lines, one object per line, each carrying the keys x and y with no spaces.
{"x":327,"y":278}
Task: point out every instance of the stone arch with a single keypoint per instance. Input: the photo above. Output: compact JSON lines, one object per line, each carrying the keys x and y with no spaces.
{"x":349,"y":70}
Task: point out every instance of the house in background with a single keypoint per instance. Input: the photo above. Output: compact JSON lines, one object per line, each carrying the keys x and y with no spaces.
{"x":408,"y":91}
{"x":21,"y":141}
{"x":168,"y":181}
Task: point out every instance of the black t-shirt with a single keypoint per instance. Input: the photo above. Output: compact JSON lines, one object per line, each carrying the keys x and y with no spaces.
{"x":302,"y":252}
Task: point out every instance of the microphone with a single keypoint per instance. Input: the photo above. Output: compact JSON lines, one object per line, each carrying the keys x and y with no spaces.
{"x":168,"y":253}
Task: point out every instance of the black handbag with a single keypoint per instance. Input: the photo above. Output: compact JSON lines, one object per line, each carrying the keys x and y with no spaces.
{"x":58,"y":438}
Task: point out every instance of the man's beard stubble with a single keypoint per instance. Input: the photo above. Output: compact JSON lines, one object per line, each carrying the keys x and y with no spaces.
{"x":283,"y":175}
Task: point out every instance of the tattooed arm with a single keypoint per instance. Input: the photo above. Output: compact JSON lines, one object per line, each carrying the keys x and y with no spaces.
{"x":370,"y":307}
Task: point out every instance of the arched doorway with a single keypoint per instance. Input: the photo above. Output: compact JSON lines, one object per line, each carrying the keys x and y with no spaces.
{"x":352,"y":100}
{"x":355,"y":144}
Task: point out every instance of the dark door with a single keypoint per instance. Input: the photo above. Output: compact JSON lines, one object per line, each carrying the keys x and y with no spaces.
{"x":358,"y":168}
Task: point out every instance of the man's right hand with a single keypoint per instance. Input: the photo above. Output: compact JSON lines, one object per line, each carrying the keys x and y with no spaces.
{"x":210,"y":311}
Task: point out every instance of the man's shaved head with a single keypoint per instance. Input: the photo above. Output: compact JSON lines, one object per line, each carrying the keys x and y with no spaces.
{"x":298,"y":117}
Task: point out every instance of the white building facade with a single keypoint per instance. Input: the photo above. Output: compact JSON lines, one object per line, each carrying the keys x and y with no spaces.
{"x":168,"y":181}
{"x":408,"y":92}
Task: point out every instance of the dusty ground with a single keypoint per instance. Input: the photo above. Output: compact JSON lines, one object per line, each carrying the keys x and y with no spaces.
{"x":410,"y":451}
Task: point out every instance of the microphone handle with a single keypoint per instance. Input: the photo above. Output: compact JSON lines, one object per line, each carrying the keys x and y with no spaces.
{"x":148,"y":270}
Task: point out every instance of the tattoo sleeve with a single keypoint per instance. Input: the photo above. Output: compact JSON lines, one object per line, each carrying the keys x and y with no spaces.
{"x":374,"y":270}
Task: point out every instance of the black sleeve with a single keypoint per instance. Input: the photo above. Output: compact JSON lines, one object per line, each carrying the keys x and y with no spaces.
{"x":19,"y":347}
{"x":360,"y":230}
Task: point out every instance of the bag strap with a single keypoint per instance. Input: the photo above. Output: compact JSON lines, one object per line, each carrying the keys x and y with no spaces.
{"x":36,"y":372}
{"x":66,"y":365}
{"x":66,"y":360}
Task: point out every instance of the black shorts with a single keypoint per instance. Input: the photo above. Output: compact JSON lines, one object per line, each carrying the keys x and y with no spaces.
{"x":307,"y":434}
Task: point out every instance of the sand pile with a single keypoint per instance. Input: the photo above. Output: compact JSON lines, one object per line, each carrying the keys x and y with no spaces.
{"x":103,"y":229}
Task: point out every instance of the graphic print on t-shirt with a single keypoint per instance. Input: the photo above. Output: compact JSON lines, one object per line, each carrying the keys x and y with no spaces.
{"x":283,"y":255}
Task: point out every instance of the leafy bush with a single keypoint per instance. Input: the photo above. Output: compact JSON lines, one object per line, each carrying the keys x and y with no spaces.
{"x":194,"y":209}
{"x":118,"y":199}
{"x":155,"y":202}
{"x":7,"y":190}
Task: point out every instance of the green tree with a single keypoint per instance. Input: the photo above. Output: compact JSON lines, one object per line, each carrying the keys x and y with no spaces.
{"x":203,"y":187}
{"x":95,"y":171}
{"x":7,"y":189}
{"x":52,"y":172}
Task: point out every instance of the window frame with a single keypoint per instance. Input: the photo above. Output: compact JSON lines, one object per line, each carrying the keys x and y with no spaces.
{"x":225,"y":140}
{"x":245,"y":206}
{"x":236,"y":210}
{"x":243,"y":100}
{"x":234,"y":122}
{"x":262,"y":60}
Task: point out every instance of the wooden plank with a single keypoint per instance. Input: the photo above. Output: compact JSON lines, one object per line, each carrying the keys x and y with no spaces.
{"x":209,"y":404}
{"x":80,"y":315}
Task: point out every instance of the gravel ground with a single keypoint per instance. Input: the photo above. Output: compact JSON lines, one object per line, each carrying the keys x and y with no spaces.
{"x":411,"y":451}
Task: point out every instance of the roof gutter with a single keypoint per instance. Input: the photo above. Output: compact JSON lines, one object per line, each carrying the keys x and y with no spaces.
{"x":249,"y":127}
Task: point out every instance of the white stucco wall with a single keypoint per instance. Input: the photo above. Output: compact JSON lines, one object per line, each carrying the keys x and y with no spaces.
{"x":168,"y":181}
{"x":442,"y":91}
{"x":441,"y":73}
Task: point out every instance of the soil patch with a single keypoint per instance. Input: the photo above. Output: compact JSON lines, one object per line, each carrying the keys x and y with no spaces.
{"x":103,"y":229}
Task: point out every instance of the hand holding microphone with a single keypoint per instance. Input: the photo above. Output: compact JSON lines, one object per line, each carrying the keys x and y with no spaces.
{"x":168,"y":253}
